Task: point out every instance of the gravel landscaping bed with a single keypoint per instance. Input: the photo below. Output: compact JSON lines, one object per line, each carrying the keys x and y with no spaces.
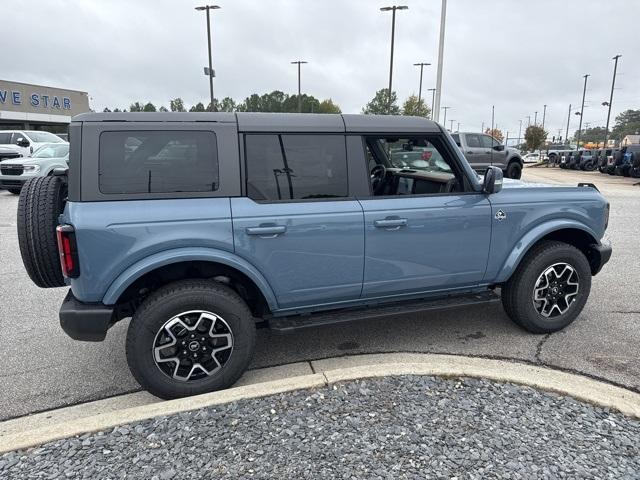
{"x":398,"y":427}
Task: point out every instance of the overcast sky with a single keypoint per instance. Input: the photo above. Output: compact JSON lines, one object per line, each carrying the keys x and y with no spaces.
{"x":517,"y":55}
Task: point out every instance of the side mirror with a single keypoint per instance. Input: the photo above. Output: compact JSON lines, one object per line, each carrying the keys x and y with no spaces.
{"x":22,"y":142}
{"x":498,"y":148}
{"x":492,"y":180}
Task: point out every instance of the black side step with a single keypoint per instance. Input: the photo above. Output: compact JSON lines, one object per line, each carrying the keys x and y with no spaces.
{"x":297,"y":322}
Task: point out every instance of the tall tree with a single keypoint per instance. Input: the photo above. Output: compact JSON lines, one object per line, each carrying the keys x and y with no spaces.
{"x":534,"y":136}
{"x":149,"y":107}
{"x":413,"y":108}
{"x":495,"y":133}
{"x":379,"y":104}
{"x":227,"y":104}
{"x":627,"y":123}
{"x":198,"y":107}
{"x":106,"y":110}
{"x":163,"y":109}
{"x":177,"y":105}
{"x":589,"y":135}
{"x":327,"y":106}
{"x":136,"y":107}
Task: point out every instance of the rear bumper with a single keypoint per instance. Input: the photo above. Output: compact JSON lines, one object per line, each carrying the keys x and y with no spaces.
{"x":85,"y":321}
{"x":599,"y":255}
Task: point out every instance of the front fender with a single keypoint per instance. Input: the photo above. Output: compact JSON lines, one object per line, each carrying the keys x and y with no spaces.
{"x":525,"y":242}
{"x":152,"y":262}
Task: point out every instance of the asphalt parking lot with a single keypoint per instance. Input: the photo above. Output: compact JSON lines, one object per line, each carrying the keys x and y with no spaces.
{"x":44,"y":369}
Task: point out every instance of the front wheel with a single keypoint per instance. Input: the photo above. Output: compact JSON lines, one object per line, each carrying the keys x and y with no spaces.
{"x":549,"y":289}
{"x":514,"y":170}
{"x":190,"y":337}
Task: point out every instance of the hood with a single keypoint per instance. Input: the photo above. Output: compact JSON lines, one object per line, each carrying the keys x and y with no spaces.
{"x":511,"y":183}
{"x":33,"y":161}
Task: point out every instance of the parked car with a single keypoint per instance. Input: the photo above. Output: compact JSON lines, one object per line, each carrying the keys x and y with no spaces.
{"x":43,"y":162}
{"x":587,"y":160}
{"x":482,"y":151}
{"x":216,"y":221}
{"x":27,"y":141}
{"x":624,"y":165}
{"x":7,"y":153}
{"x":603,"y":159}
{"x":635,"y":160}
{"x":531,"y":157}
{"x":555,"y":152}
{"x":565,"y":159}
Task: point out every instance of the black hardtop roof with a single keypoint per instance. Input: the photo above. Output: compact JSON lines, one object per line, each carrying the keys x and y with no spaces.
{"x":279,"y":122}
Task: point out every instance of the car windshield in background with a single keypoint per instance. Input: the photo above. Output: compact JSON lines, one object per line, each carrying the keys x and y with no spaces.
{"x":52,"y":151}
{"x":416,"y":154}
{"x":41,"y":137}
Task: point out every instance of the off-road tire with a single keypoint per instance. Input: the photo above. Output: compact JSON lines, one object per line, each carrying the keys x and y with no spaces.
{"x":166,"y":303}
{"x":41,"y":201}
{"x":514,"y":170}
{"x":517,"y":292}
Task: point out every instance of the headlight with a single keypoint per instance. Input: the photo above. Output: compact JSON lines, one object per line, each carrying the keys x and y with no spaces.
{"x":32,"y":168}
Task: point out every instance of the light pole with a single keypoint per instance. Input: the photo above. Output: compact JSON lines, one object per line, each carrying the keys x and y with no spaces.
{"x":433,"y":99}
{"x":535,"y":119}
{"x":528,"y":121}
{"x":584,"y":92}
{"x":210,"y":73}
{"x":566,"y":134}
{"x":452,"y":121}
{"x":445,"y":115}
{"x":613,"y":83}
{"x":436,"y":103}
{"x":421,"y":65}
{"x":393,"y":33}
{"x":544,"y":115}
{"x":482,"y":128}
{"x":458,"y":127}
{"x":299,"y":62}
{"x":520,"y":132}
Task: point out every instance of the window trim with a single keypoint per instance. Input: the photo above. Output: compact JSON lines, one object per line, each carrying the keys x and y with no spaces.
{"x":279,"y":134}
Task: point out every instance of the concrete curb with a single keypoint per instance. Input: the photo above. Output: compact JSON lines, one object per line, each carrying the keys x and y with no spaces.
{"x":67,"y":422}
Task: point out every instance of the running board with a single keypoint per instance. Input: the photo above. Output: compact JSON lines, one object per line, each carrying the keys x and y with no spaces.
{"x":298,"y":322}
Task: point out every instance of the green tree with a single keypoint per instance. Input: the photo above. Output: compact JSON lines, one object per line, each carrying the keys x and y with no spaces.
{"x":627,"y":123}
{"x":413,"y":108}
{"x":309,"y":103}
{"x":534,"y":136}
{"x":149,"y":107}
{"x":379,"y":104}
{"x":163,"y":109}
{"x":106,"y":110}
{"x":327,"y":106}
{"x":588,"y":135}
{"x":198,"y":107}
{"x":136,"y":107}
{"x":116,"y":110}
{"x":227,"y":104}
{"x":495,"y":133}
{"x":177,"y":105}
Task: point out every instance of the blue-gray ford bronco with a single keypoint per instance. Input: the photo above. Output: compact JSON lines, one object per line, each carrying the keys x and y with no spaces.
{"x":202,"y":227}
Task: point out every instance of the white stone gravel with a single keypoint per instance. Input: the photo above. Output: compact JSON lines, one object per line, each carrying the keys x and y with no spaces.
{"x":397,"y":427}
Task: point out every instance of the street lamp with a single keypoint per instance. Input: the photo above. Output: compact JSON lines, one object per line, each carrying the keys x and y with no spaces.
{"x":210,"y":73}
{"x":608,"y":104}
{"x":444,"y":122}
{"x":299,"y":62}
{"x":584,"y":92}
{"x":433,"y":99}
{"x":393,"y":33}
{"x":436,"y":104}
{"x":452,"y":121}
{"x":544,"y":115}
{"x":421,"y":65}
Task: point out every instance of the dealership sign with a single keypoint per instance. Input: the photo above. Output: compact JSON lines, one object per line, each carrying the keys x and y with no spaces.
{"x":36,"y":100}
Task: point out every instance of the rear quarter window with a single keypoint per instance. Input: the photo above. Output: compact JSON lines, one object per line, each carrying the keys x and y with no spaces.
{"x":158,"y":162}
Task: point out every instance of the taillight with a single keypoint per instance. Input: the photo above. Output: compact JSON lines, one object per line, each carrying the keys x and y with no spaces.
{"x":68,"y":251}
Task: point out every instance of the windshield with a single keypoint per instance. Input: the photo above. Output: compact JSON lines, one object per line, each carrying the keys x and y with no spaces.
{"x":40,"y":137}
{"x":418,"y":154}
{"x":52,"y":151}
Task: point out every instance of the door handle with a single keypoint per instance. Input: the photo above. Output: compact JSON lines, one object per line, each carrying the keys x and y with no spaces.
{"x":390,"y":223}
{"x":270,"y":231}
{"x":470,"y":152}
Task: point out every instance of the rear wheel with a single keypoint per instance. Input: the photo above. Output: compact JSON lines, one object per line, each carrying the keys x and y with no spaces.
{"x":41,"y":201}
{"x":514,"y":170}
{"x":190,"y":337}
{"x":549,"y":289}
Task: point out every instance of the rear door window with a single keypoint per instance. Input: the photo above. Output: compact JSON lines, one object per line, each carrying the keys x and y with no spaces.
{"x":296,"y":167}
{"x":158,"y":162}
{"x":5,"y":138}
{"x":473,"y":140}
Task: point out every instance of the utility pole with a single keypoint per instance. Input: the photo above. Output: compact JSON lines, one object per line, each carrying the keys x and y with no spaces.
{"x":506,"y":141}
{"x":433,"y":99}
{"x":528,"y":121}
{"x":482,"y":128}
{"x":451,"y":129}
{"x":444,"y":122}
{"x":210,"y":72}
{"x":535,"y":119}
{"x":544,"y":115}
{"x":613,"y":83}
{"x":584,"y":92}
{"x":458,"y":128}
{"x":492,"y":116}
{"x":436,"y":105}
{"x":393,"y":34}
{"x":421,"y":65}
{"x":520,"y":132}
{"x":566,"y":134}
{"x":299,"y":62}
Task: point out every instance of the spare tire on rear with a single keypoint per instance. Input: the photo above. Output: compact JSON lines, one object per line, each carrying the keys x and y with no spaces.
{"x":41,"y":201}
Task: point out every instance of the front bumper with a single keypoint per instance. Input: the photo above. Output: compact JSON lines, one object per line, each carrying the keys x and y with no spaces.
{"x":10,"y":181}
{"x":599,"y":255}
{"x":85,"y":321}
